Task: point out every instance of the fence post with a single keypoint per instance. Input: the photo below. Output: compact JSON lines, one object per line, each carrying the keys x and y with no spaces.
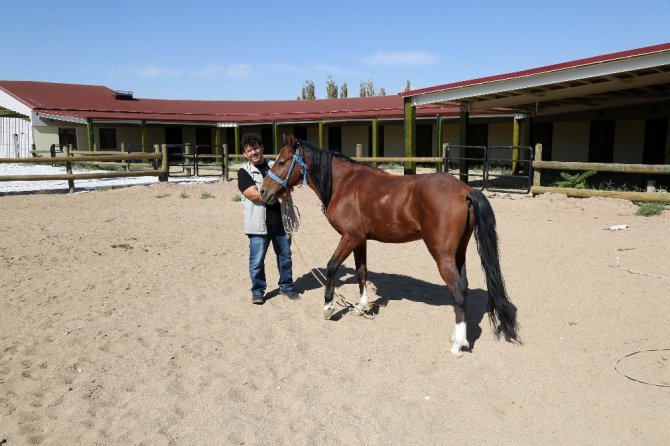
{"x":68,"y":168}
{"x":537,"y":172}
{"x":445,"y":150}
{"x":359,"y":150}
{"x":187,"y":158}
{"x":225,"y":162}
{"x":165,"y":166}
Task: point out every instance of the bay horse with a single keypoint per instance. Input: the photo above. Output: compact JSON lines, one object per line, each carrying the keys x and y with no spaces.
{"x":365,"y":203}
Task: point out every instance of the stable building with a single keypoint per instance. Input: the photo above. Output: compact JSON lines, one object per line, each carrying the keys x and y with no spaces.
{"x":609,"y":108}
{"x":99,"y":118}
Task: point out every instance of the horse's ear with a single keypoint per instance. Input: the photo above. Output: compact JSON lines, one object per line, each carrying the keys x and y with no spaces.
{"x":292,"y":141}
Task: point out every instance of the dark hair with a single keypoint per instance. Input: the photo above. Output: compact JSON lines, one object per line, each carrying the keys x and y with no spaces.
{"x":250,"y":139}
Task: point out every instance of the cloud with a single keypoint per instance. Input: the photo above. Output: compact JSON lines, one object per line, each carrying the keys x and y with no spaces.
{"x":153,"y":71}
{"x":399,"y":58}
{"x":239,"y":71}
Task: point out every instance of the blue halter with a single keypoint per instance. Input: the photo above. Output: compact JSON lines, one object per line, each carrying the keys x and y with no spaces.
{"x":296,"y":159}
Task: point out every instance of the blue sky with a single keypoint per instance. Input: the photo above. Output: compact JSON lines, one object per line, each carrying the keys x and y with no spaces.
{"x":266,"y":50}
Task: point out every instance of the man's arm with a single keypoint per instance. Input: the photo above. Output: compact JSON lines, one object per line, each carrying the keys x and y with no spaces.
{"x":247,"y":186}
{"x":252,"y":193}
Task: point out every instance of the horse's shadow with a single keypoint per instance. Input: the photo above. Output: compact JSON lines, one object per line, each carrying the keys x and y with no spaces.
{"x":392,"y":287}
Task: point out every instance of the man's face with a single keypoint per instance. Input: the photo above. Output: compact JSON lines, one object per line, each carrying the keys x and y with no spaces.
{"x":254,"y":154}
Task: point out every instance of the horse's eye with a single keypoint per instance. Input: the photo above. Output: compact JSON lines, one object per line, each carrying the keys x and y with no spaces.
{"x":281,"y":163}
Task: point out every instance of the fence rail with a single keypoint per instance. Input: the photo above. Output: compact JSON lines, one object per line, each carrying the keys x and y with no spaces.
{"x":647,"y":169}
{"x":161,"y":172}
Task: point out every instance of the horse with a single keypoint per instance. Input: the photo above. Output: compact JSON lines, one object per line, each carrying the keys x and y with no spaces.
{"x":364,"y":203}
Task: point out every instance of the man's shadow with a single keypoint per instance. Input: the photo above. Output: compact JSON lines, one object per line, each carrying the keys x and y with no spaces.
{"x":392,"y":287}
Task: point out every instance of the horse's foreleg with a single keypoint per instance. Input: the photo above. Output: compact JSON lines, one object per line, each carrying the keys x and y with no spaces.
{"x":344,"y":248}
{"x":360,"y":257}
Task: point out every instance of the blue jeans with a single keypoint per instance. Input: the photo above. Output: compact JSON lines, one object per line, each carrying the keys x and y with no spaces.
{"x":258,"y":247}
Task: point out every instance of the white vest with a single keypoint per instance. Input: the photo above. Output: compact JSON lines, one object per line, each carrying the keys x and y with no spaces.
{"x":254,"y":213}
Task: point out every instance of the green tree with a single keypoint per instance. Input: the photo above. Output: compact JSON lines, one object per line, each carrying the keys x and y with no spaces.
{"x":367,"y":89}
{"x":382,"y":91}
{"x":331,"y":88}
{"x":344,"y":90}
{"x":307,"y":91}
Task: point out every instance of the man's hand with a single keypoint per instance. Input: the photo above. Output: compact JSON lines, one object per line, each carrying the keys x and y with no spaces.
{"x":252,"y":193}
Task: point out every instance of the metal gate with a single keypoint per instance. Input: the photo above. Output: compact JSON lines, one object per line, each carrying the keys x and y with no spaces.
{"x":506,"y":168}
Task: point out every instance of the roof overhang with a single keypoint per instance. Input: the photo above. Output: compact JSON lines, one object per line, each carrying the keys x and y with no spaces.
{"x":57,"y":117}
{"x":10,"y":107}
{"x":565,"y":88}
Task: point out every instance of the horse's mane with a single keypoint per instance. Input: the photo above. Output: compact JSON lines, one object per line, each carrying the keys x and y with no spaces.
{"x":320,"y":169}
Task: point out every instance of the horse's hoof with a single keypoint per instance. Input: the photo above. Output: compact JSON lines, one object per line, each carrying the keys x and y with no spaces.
{"x":328,"y":312}
{"x":456,"y":350}
{"x":360,"y":310}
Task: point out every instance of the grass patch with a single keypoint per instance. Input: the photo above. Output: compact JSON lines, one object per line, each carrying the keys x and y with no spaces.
{"x":237,"y":197}
{"x":163,"y":195}
{"x":184,"y":195}
{"x":650,"y":208}
{"x":206,"y":195}
{"x":576,"y":181}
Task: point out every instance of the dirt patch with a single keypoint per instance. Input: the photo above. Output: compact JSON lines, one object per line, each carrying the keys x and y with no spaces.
{"x":160,"y":344}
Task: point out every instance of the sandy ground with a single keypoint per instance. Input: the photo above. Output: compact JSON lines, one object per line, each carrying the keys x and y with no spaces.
{"x":125,"y":318}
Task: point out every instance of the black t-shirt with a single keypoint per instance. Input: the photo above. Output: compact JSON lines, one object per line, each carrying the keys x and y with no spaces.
{"x":244,"y":182}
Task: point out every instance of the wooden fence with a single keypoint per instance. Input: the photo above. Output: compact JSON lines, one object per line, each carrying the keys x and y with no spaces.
{"x":161,"y":172}
{"x":649,"y":169}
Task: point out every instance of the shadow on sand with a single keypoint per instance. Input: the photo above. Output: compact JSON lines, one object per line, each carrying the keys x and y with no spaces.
{"x":392,"y":287}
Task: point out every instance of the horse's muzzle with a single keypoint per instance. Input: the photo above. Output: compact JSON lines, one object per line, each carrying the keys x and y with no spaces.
{"x":267,"y":197}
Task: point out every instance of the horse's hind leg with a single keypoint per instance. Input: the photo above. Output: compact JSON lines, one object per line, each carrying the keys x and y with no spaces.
{"x":459,"y":291}
{"x":360,"y":257}
{"x":457,"y":283}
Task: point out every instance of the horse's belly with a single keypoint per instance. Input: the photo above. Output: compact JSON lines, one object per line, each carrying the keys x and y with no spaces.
{"x":392,"y":234}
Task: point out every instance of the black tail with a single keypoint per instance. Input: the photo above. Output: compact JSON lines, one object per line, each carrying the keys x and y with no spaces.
{"x":502,"y":312}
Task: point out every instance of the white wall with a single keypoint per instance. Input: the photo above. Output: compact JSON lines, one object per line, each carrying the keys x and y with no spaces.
{"x":501,"y":133}
{"x":628,"y":141}
{"x":394,"y":143}
{"x":571,"y":141}
{"x":8,"y":144}
{"x":352,"y":135}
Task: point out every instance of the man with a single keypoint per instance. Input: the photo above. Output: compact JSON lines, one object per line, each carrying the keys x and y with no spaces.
{"x":262,"y":224}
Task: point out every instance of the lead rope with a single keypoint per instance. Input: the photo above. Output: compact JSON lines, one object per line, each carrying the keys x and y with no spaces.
{"x":290,"y":216}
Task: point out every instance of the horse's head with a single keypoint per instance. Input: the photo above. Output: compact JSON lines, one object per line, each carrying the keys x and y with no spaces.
{"x":288,"y":170}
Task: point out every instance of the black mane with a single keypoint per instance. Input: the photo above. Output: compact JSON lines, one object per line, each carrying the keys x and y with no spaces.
{"x":320,"y":169}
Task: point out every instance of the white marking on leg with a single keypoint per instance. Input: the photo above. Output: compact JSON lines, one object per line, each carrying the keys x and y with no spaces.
{"x":459,"y":338}
{"x":364,"y":298}
{"x":328,"y":310}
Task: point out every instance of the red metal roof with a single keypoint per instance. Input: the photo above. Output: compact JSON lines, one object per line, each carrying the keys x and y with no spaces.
{"x":99,"y":102}
{"x":545,"y":69}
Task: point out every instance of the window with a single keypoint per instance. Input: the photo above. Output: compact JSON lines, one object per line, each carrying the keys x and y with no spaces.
{"x":301,"y":133}
{"x":543,"y":133}
{"x":478,"y":135}
{"x":655,"y":140}
{"x":268,"y":140}
{"x":424,"y":140}
{"x":335,"y":139}
{"x":601,"y":142}
{"x":67,"y":137}
{"x":107,"y":139}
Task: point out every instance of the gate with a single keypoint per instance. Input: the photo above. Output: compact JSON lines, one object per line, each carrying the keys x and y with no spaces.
{"x":493,"y":168}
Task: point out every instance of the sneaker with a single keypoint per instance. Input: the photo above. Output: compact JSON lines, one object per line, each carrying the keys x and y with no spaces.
{"x":257,"y":299}
{"x":291,"y":294}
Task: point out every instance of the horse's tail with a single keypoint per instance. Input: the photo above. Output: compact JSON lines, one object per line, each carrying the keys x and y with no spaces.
{"x":502,"y":311}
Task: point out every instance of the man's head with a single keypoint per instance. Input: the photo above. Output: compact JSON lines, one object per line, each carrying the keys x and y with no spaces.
{"x":252,"y":148}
